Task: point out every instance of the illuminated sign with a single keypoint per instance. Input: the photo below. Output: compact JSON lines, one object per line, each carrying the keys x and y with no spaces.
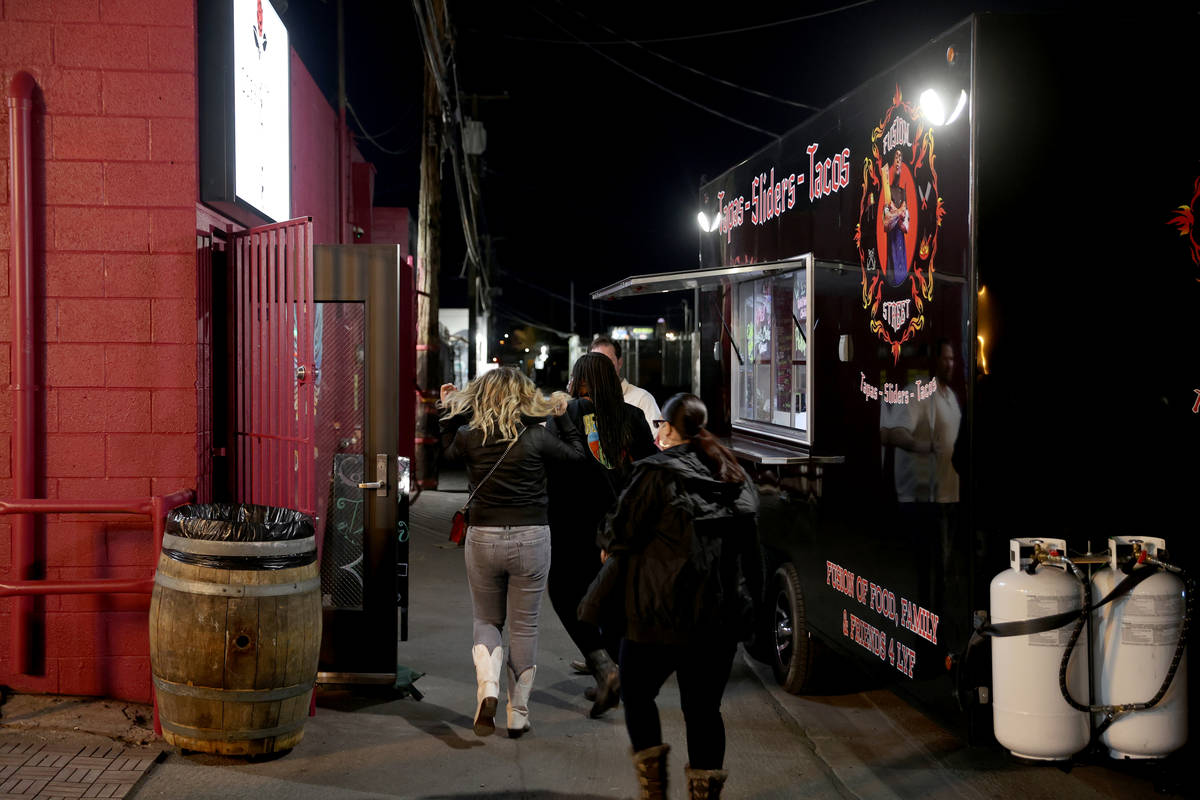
{"x":245,"y":110}
{"x":260,"y":108}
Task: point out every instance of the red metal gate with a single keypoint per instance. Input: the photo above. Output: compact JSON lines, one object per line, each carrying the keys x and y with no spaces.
{"x":273,"y":431}
{"x":204,"y":367}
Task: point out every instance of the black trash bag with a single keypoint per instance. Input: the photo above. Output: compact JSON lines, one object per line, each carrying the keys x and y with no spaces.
{"x":222,"y":522}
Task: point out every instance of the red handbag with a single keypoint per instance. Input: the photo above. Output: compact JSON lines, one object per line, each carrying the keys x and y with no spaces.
{"x":458,"y":525}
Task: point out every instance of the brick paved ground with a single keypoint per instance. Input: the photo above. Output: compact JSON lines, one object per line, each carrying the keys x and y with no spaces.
{"x":31,"y":769}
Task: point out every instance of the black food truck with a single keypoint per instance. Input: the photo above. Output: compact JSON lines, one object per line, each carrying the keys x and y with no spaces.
{"x":954,"y":309}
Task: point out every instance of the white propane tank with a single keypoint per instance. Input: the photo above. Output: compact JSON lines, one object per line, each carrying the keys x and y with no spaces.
{"x":1135,"y":640}
{"x":1031,"y":718}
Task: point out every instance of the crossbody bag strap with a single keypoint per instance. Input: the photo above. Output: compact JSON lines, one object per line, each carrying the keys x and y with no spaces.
{"x":479,"y":485}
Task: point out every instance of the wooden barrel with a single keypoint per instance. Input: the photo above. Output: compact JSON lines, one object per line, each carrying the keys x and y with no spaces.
{"x":233,"y":642}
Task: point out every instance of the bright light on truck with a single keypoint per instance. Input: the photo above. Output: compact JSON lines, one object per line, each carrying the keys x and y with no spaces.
{"x":706,"y":225}
{"x":958,"y":107}
{"x":932,"y":108}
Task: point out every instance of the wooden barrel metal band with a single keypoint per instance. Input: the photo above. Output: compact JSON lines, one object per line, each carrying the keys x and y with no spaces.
{"x":236,"y":589}
{"x":213,"y":734}
{"x":208,"y":547}
{"x":232,"y":695}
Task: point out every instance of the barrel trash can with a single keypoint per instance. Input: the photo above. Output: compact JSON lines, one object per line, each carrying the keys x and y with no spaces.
{"x":235,"y":628}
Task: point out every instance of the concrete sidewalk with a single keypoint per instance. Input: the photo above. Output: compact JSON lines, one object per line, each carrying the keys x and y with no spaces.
{"x":359,"y":747}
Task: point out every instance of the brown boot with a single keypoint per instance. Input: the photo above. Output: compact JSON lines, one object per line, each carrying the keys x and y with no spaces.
{"x":651,"y":766}
{"x":705,"y":784}
{"x":608,"y":682}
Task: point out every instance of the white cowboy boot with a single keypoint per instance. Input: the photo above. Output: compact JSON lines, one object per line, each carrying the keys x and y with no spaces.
{"x":487,"y":694}
{"x":519,"y":690}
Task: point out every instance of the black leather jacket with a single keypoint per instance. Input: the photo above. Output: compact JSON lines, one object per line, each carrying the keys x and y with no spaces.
{"x":684,"y":557}
{"x":516,"y":492}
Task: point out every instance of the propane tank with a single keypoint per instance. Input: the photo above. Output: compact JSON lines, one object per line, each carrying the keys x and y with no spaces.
{"x":1031,"y":718}
{"x":1136,"y":636}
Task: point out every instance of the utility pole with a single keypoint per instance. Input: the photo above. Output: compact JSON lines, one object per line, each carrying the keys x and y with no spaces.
{"x":477,"y":301}
{"x":429,"y":257}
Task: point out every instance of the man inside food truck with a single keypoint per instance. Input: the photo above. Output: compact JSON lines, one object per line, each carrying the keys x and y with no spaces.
{"x":917,"y":441}
{"x":923,"y":433}
{"x":633,"y":395}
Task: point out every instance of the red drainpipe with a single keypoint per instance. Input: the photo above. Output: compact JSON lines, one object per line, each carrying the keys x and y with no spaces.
{"x":20,"y":111}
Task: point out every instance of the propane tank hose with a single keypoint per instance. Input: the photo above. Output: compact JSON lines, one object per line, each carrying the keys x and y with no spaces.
{"x":1114,"y":712}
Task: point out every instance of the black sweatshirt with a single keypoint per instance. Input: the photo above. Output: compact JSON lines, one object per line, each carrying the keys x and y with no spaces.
{"x":516,"y":492}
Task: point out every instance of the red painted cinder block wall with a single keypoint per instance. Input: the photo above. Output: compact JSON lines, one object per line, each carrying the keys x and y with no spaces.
{"x":115,"y":193}
{"x":314,"y":155}
{"x":393,"y":226}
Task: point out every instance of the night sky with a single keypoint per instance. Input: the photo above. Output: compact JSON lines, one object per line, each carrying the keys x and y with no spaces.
{"x":591,"y":172}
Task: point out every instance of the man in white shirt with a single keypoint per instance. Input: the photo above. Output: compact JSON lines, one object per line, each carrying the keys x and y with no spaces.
{"x":632,"y":394}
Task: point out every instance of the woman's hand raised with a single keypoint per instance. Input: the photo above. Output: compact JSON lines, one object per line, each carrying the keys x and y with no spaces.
{"x":559,"y":401}
{"x":446,"y":390}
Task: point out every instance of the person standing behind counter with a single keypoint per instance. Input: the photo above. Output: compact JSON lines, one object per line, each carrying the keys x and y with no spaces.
{"x":495,"y":422}
{"x":633,"y":395}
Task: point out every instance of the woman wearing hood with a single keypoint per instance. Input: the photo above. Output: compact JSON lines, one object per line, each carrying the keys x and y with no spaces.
{"x":683,"y":565}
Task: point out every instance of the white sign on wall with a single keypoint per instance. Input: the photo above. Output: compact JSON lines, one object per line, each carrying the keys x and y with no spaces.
{"x":261,"y":109}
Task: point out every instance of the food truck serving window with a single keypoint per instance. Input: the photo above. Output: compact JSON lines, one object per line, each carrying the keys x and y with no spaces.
{"x":771,"y":380}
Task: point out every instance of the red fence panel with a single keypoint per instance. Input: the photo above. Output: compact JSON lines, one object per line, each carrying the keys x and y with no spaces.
{"x":204,"y":366}
{"x":274,"y":431}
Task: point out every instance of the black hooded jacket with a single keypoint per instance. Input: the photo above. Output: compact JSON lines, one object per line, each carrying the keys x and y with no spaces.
{"x":684,"y":558}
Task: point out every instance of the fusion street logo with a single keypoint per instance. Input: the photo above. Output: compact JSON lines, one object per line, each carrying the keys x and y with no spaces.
{"x":900,"y":216}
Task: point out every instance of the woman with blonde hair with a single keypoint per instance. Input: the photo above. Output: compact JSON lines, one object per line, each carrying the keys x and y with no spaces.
{"x":494,"y":426}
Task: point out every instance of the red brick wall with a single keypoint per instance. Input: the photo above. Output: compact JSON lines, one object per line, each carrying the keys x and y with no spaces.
{"x":393,"y":226}
{"x":314,"y":155}
{"x":115,"y":196}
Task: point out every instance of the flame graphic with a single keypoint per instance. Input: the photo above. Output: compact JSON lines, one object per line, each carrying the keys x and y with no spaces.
{"x":924,"y":251}
{"x":897,"y":97}
{"x":941,"y":211}
{"x":1184,"y":219}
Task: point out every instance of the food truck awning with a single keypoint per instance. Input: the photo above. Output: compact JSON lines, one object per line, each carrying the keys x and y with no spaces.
{"x":659,"y":282}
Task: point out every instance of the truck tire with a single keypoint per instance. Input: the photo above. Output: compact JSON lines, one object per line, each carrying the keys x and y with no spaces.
{"x":792,"y":648}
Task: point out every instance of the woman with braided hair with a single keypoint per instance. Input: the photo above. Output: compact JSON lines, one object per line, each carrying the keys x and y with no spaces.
{"x":580,"y":495}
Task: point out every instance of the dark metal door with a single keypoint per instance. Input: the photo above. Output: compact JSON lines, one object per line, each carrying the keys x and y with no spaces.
{"x":362,"y":451}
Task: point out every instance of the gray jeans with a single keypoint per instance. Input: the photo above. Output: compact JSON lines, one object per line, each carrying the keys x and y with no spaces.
{"x":506,"y":570}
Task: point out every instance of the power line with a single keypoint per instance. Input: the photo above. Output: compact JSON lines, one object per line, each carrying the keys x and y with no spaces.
{"x":556,"y":296}
{"x":659,"y":86}
{"x":363,"y":130}
{"x":693,"y":70}
{"x":728,"y":32}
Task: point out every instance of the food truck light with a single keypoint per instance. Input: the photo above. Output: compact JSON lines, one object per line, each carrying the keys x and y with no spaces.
{"x":958,"y":107}
{"x":932,"y":108}
{"x":983,"y":321}
{"x":706,"y":225}
{"x":934,"y":111}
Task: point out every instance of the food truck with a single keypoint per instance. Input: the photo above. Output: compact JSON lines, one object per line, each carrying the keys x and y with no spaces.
{"x":953,"y":309}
